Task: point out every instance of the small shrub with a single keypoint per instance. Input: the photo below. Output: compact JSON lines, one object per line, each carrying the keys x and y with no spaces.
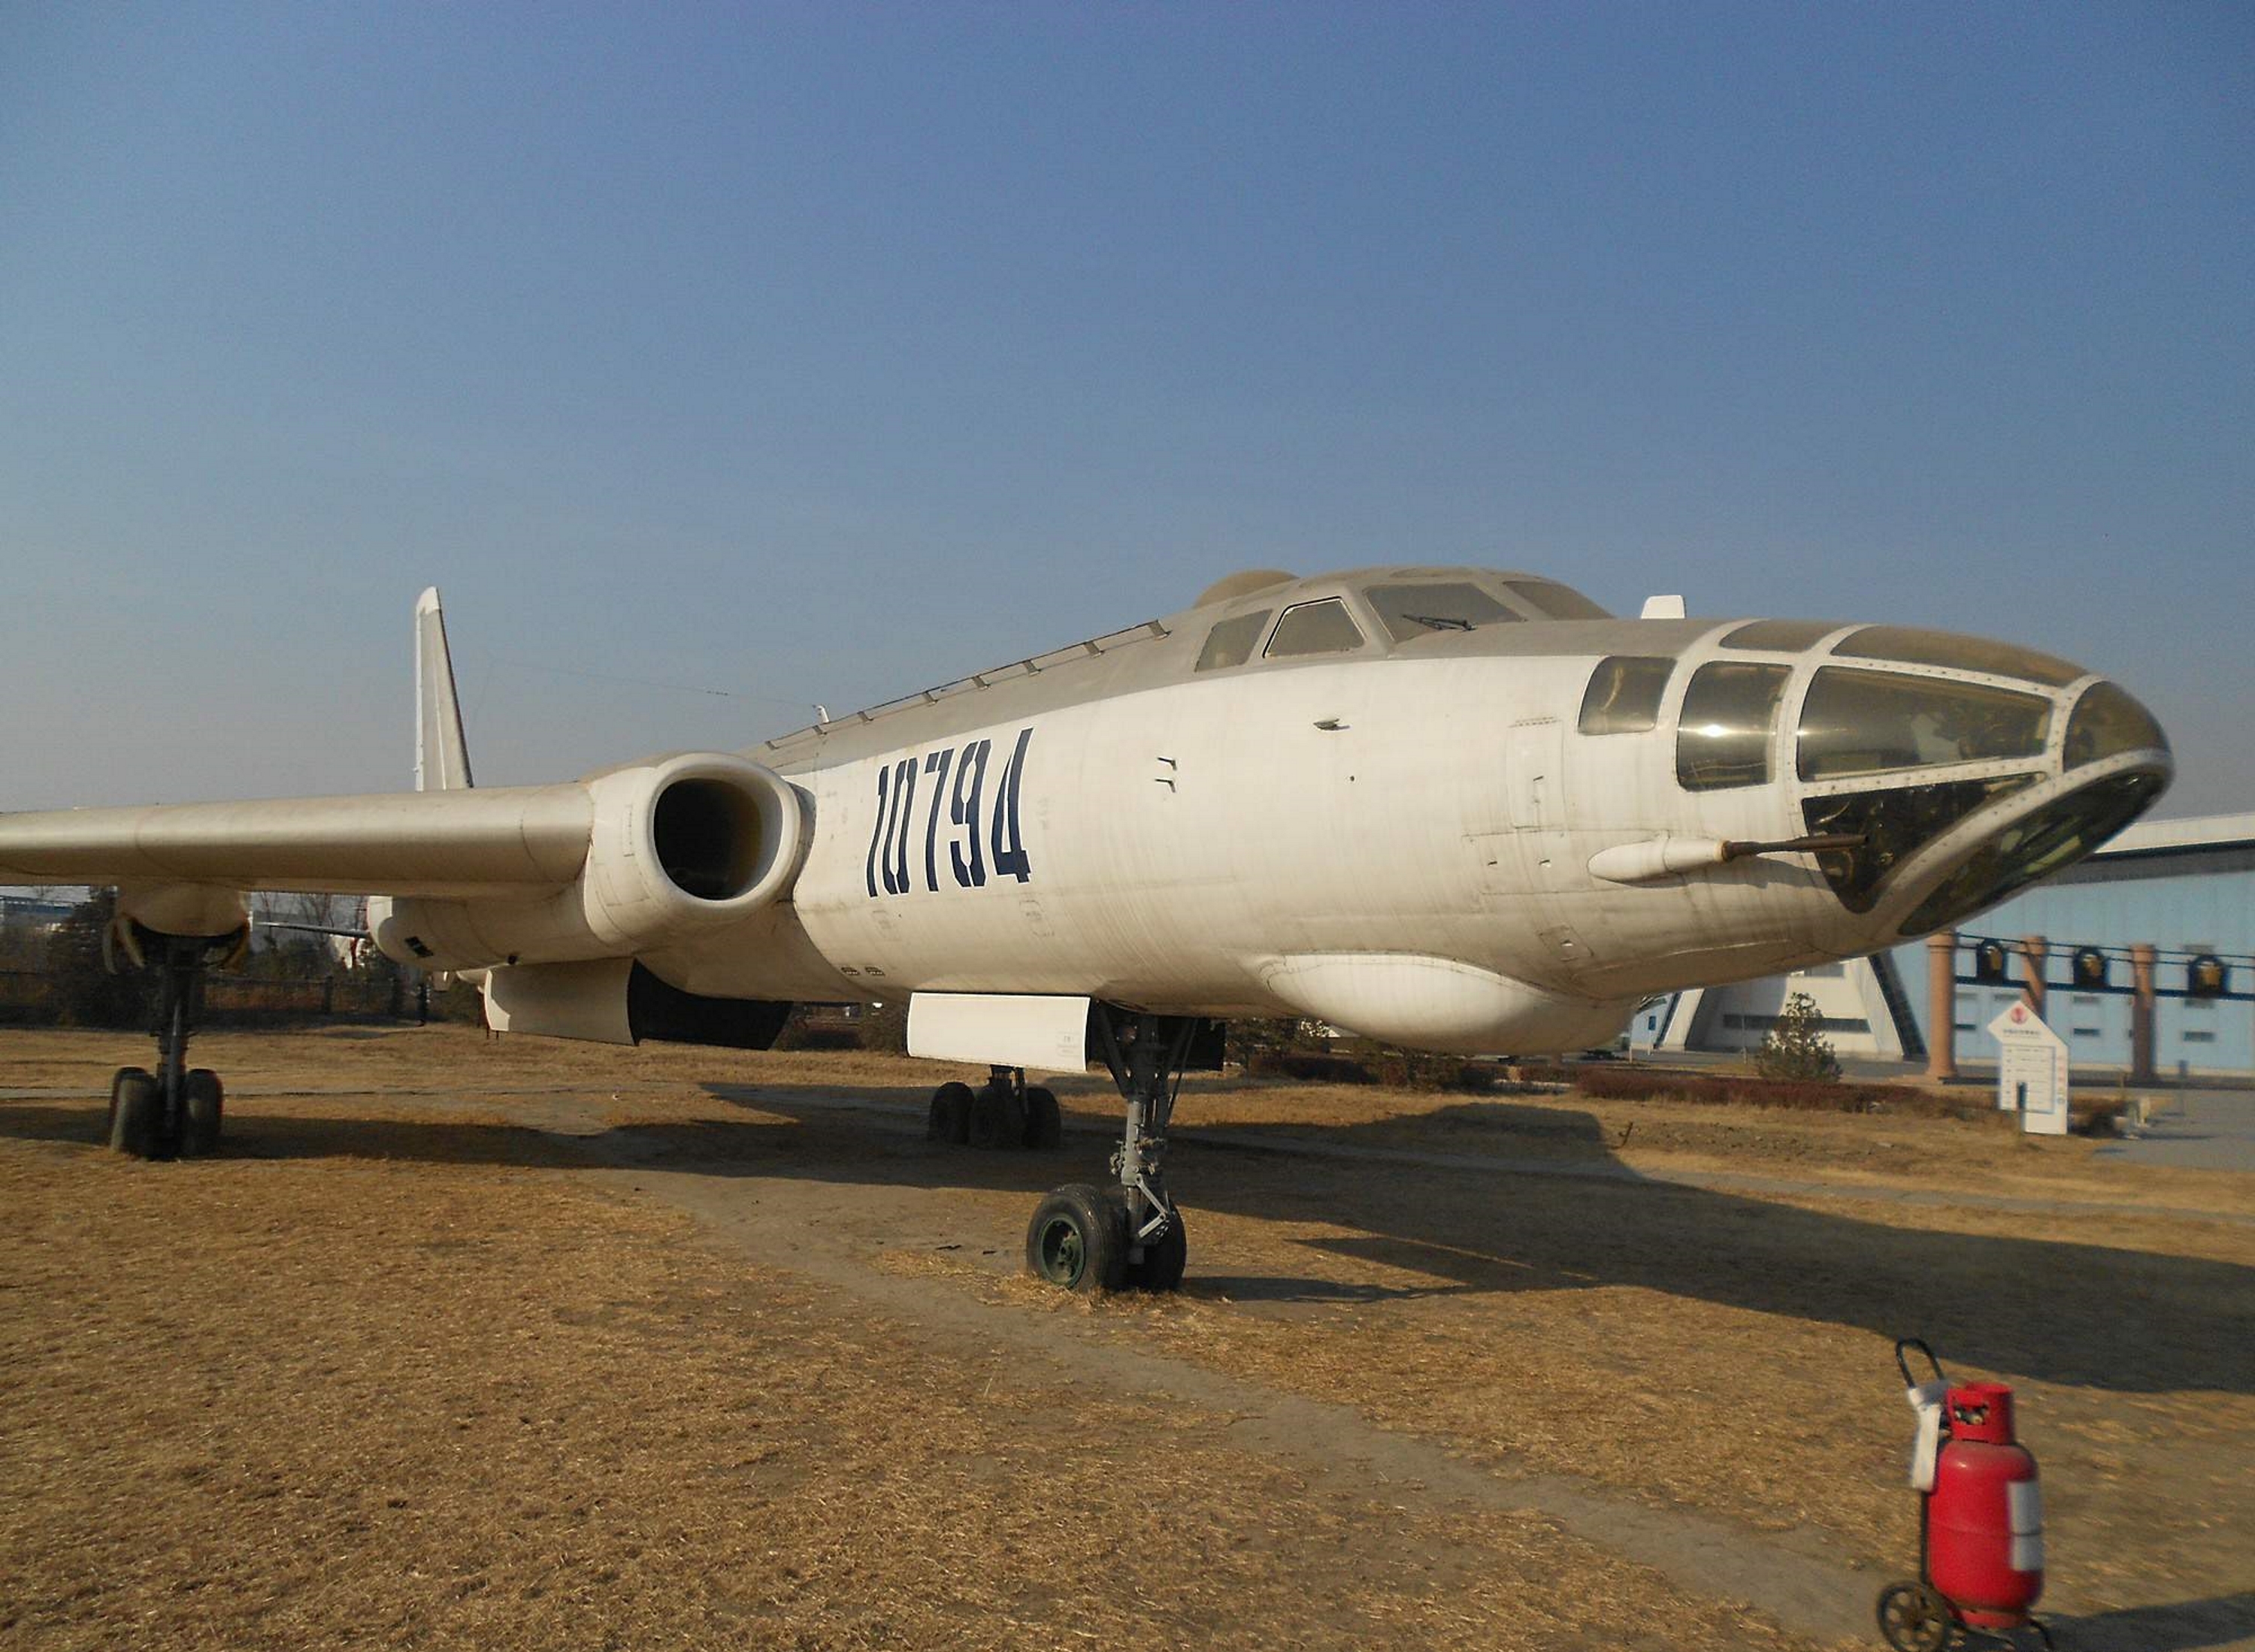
{"x":1796,"y":1047}
{"x":884,"y":1029}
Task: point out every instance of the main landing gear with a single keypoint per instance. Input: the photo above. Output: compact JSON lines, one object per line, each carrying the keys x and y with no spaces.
{"x":1128,"y":1236}
{"x":176,"y":1111}
{"x":1003,"y":1112}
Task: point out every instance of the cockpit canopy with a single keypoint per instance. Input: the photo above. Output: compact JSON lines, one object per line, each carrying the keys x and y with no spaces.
{"x":1900,"y":736}
{"x":1409,"y":605}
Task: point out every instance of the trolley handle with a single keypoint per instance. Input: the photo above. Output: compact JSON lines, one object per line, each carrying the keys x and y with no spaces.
{"x":1902,"y":1360}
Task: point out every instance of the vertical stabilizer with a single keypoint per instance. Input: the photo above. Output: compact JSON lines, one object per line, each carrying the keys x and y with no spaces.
{"x":442,"y":757}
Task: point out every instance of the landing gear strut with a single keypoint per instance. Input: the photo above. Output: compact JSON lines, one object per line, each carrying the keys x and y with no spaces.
{"x":1128,"y":1235}
{"x":1004,"y":1112}
{"x":176,"y":1111}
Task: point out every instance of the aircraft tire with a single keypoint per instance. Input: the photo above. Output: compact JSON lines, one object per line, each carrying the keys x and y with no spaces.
{"x":207,"y":1099}
{"x":1164,"y":1262}
{"x":136,"y":1110}
{"x":950,"y":1118}
{"x":1044,"y":1124}
{"x":1078,"y":1239}
{"x":990,"y":1118}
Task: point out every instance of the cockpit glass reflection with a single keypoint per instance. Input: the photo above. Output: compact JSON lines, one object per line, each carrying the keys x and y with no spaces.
{"x":1781,"y":636}
{"x":1552,"y":600}
{"x":1857,"y":722}
{"x":1411,"y":611}
{"x":2106,"y":722}
{"x":1894,"y":826}
{"x":2053,"y":837}
{"x":1909,"y":646}
{"x":1723,"y":734}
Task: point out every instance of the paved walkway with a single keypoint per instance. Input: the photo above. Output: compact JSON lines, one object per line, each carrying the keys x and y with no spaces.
{"x":2197,"y":1130}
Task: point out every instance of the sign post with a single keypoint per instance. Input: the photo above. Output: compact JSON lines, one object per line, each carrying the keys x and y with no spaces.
{"x":2031,"y":1071}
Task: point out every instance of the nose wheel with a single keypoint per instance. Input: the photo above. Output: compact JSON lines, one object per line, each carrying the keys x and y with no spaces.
{"x":1128,"y":1235}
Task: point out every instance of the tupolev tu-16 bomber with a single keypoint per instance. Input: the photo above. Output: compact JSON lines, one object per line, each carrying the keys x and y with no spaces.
{"x":1449,"y":808}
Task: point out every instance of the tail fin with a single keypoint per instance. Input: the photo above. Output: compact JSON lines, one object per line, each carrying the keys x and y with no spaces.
{"x":442,"y":757}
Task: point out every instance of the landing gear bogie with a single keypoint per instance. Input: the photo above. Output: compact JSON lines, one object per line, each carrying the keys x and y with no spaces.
{"x":1005,"y":1112}
{"x":177,"y":1109}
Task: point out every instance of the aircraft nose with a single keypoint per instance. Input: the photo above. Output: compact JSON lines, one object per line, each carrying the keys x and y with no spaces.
{"x":2106,"y":722}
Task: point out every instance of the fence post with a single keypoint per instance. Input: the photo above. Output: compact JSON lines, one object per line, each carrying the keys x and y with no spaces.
{"x":2142,"y":1005}
{"x":1942,"y":1006}
{"x":2034,"y":949}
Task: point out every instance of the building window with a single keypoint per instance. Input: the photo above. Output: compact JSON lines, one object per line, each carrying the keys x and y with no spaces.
{"x":2198,"y":1038}
{"x":2086,"y":1032}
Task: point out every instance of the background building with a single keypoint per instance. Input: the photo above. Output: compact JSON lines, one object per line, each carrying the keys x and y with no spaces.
{"x":2186,"y":888}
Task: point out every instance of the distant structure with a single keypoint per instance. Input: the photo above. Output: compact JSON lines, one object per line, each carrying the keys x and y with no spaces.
{"x":34,"y":914}
{"x":2174,"y":898}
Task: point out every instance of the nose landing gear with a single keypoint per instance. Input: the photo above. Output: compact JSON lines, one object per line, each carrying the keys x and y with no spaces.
{"x":177,"y":1111}
{"x":1129,"y":1235}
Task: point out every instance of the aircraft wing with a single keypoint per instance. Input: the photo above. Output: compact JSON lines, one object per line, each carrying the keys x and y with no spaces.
{"x":515,"y":840}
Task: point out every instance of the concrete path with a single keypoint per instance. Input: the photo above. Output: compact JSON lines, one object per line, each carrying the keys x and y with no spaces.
{"x":2194,"y":1129}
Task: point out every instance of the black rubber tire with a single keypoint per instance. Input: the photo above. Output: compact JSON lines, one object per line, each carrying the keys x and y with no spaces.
{"x":1077,"y":1239}
{"x":205,"y":1105}
{"x":950,"y":1118}
{"x":1915,"y":1618}
{"x":1164,"y":1258}
{"x":137,"y":1114}
{"x":115,"y":1079}
{"x":1044,"y":1124}
{"x":991,"y":1112}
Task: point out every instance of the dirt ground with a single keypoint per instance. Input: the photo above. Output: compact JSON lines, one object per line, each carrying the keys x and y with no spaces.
{"x":503,"y":1343}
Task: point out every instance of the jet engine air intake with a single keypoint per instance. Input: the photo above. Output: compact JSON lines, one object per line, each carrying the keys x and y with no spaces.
{"x":676,"y":848}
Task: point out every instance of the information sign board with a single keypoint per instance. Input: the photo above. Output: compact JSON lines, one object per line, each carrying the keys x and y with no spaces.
{"x":2031,"y":1071}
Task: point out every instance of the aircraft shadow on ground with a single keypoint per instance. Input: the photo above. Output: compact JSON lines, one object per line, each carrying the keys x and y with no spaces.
{"x":2060,"y":1312}
{"x":2188,"y":1626}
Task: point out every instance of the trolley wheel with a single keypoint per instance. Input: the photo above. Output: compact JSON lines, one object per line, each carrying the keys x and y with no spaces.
{"x":1915,"y":1618}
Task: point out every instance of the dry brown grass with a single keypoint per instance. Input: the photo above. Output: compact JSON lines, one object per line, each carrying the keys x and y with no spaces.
{"x":1727,"y":1352}
{"x":432,"y":1393}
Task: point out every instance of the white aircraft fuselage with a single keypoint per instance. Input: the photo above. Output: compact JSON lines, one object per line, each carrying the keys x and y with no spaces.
{"x":1424,"y":835}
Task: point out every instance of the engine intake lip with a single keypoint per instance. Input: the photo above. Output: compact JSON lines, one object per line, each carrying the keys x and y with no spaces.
{"x":725,"y":834}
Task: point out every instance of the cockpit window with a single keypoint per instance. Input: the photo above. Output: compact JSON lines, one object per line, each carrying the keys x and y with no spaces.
{"x":1315,"y":627}
{"x":1408,"y":611}
{"x":2053,"y":837}
{"x":1894,"y":826}
{"x":1781,"y":636}
{"x":1555,"y":601}
{"x":1867,"y":722}
{"x":2107,"y":722}
{"x":1911,"y":647}
{"x":1723,"y":738}
{"x":1623,"y":695}
{"x":1230,"y":642}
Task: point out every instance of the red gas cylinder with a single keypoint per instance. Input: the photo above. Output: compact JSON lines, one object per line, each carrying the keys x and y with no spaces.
{"x":1984,"y":1516}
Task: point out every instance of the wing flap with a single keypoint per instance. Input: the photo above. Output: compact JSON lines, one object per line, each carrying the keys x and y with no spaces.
{"x":497,"y":840}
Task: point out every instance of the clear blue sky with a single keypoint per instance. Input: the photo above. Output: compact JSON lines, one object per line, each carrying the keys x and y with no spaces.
{"x":820,"y":352}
